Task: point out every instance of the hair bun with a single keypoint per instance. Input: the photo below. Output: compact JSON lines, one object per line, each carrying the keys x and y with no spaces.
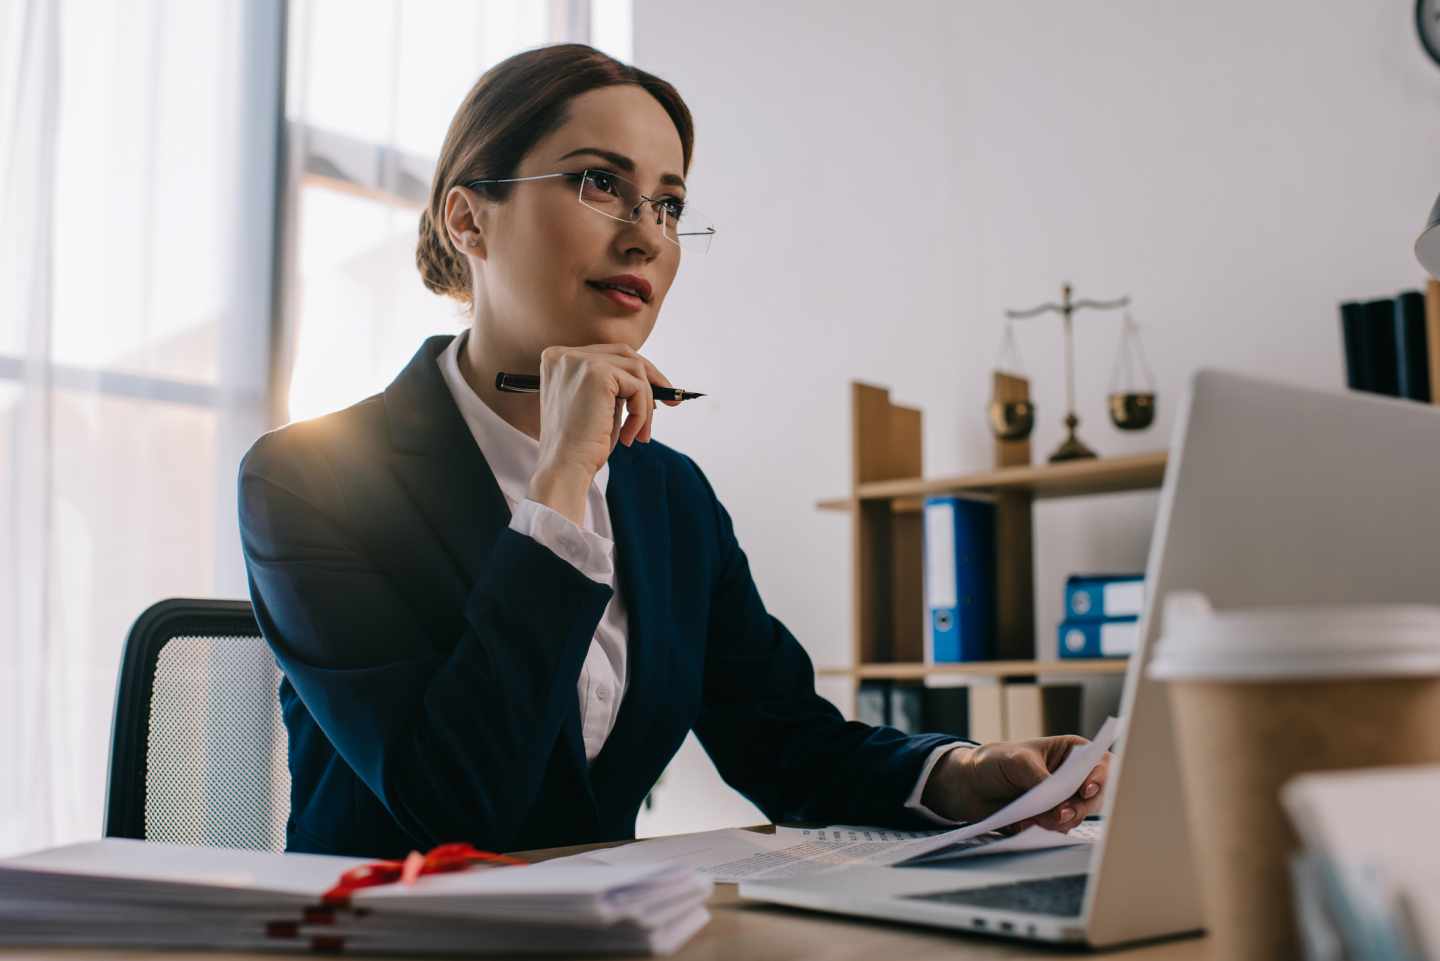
{"x":441,"y":269}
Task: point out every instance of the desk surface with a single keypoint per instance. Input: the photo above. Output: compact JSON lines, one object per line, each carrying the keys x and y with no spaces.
{"x":753,"y":932}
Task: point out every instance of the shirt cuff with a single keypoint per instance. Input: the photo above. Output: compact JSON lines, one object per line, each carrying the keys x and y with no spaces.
{"x":585,"y":550}
{"x":913,"y":802}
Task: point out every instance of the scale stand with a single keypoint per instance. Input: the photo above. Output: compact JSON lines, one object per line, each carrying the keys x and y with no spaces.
{"x":1072,"y":448}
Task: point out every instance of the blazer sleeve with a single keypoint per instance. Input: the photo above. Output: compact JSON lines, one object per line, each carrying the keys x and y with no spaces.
{"x":771,"y":736}
{"x":452,"y":734}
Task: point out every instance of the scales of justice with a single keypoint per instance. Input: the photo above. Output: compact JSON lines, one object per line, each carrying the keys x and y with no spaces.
{"x":1012,"y":413}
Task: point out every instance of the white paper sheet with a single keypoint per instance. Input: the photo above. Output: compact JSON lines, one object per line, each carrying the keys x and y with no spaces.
{"x":732,"y":855}
{"x":1420,"y":907}
{"x":709,"y":852}
{"x":1371,"y":835}
{"x":843,"y":845}
{"x":1062,"y":783}
{"x":800,"y":851}
{"x":1033,"y":838}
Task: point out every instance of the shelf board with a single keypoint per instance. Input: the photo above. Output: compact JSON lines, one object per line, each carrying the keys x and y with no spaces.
{"x":1070,"y":479}
{"x":906,"y":672}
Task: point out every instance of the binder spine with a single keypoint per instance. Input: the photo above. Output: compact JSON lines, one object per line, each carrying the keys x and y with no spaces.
{"x":1111,"y":637}
{"x":1352,"y":331}
{"x":942,"y":633}
{"x":1092,"y":598}
{"x":959,"y":580}
{"x":1411,"y":351}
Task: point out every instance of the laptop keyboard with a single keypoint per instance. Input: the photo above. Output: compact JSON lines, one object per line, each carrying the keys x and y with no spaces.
{"x":1061,"y":897}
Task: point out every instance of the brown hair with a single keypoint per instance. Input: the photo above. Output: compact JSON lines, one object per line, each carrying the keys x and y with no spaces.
{"x":513,"y":106}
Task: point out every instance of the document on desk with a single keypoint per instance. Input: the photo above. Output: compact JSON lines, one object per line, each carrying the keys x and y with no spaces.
{"x":735,"y":854}
{"x":1062,"y":783}
{"x":846,"y":844}
{"x":148,"y":894}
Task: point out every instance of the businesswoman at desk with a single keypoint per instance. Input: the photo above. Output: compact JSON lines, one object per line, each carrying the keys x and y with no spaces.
{"x":499,"y":614}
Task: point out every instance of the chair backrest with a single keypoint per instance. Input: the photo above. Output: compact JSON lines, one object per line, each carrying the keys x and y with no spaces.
{"x":198,"y":750}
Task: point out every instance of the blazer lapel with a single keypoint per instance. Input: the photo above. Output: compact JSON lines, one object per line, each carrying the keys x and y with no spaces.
{"x":441,"y":466}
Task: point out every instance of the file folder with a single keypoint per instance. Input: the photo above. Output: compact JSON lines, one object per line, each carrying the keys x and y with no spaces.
{"x":1099,"y":596}
{"x":959,"y":580}
{"x":1115,"y":637}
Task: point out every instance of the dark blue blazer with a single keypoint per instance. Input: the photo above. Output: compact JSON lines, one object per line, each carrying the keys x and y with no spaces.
{"x":431,"y":654}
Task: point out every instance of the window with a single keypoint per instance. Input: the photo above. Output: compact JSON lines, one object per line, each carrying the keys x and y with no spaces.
{"x":134,"y":337}
{"x":371,"y":90}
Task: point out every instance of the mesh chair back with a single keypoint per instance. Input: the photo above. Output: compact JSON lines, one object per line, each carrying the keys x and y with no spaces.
{"x":198,"y":750}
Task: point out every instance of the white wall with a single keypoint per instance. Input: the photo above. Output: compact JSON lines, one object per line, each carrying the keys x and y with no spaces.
{"x":887,"y":178}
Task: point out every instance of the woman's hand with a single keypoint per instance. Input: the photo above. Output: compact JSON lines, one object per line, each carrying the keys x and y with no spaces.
{"x":584,"y":392}
{"x":971,"y":784}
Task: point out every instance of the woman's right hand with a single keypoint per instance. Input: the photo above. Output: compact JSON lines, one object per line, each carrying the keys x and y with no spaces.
{"x":584,"y":392}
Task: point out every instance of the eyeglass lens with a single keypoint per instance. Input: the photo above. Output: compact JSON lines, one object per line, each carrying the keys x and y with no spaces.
{"x":620,"y":199}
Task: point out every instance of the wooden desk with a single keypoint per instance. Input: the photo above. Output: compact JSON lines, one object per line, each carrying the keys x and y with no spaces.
{"x":748,"y":931}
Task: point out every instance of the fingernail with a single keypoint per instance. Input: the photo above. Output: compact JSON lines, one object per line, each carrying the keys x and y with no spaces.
{"x":1091,"y":790}
{"x":1066,"y":814}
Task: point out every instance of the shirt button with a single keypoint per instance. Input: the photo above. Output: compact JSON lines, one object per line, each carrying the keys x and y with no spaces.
{"x":602,"y":692}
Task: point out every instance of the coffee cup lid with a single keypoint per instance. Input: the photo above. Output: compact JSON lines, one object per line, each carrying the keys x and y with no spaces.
{"x":1314,"y":641}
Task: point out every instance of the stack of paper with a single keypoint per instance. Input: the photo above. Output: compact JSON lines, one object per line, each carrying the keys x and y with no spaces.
{"x":117,"y":892}
{"x":1366,"y":881}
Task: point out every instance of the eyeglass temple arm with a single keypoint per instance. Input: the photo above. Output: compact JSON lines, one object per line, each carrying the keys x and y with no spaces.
{"x":515,"y":180}
{"x":655,"y":202}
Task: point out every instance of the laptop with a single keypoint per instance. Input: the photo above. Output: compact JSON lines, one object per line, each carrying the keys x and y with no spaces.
{"x":1273,"y":494}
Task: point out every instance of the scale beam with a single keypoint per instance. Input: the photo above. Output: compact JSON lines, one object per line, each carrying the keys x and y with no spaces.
{"x":1073,"y":448}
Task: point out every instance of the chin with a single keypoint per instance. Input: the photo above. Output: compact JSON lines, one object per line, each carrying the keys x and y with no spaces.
{"x":631,"y":330}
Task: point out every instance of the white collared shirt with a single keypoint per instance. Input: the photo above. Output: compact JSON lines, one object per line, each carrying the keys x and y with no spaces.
{"x":513,"y":457}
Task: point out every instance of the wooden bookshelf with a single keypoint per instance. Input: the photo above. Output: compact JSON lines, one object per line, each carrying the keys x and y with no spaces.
{"x":1073,"y":479}
{"x":888,"y":488}
{"x":991,"y":669}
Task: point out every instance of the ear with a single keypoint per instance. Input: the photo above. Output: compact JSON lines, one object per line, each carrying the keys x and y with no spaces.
{"x":467,"y":217}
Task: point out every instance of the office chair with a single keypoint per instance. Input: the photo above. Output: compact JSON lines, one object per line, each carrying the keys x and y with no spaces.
{"x":198,"y":750}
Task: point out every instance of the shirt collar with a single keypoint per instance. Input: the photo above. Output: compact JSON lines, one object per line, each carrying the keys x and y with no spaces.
{"x":512,"y":454}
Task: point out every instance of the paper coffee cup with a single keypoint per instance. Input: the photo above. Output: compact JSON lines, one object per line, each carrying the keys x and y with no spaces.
{"x":1262,"y":694}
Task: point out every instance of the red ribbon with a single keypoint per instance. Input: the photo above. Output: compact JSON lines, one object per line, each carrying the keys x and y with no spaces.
{"x":446,"y":857}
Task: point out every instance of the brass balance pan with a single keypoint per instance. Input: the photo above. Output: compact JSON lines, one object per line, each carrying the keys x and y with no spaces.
{"x":1012,"y":420}
{"x":1132,"y":411}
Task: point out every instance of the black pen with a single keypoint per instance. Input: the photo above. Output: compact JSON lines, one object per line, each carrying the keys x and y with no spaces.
{"x":530,"y":384}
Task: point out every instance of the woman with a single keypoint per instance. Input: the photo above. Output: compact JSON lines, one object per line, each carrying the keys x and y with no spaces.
{"x":498,"y":615}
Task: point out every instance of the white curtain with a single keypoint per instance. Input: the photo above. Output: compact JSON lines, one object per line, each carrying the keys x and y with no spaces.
{"x":138,"y":146}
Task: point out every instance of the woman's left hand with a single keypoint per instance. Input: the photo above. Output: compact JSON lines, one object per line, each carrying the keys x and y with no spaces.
{"x":970,"y":784}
